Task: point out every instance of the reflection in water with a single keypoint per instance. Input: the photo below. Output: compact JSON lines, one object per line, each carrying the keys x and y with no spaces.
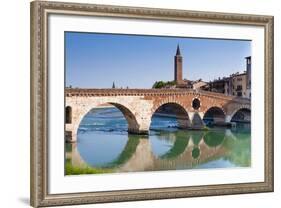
{"x":105,"y":146}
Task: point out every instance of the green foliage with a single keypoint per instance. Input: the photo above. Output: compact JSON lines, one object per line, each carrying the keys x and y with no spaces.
{"x":162,"y":84}
{"x":71,"y":170}
{"x":158,"y":85}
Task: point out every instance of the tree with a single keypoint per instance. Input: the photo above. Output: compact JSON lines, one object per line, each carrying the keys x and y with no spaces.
{"x":113,"y":85}
{"x":158,"y":84}
{"x":162,"y":84}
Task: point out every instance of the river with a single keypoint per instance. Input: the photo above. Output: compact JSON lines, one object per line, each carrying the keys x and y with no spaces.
{"x":103,"y":146}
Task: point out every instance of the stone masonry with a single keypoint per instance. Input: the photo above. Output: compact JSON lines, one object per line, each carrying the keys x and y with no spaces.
{"x":139,"y":105}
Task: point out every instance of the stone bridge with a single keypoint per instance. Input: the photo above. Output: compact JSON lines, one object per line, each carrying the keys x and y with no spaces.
{"x":139,"y":105}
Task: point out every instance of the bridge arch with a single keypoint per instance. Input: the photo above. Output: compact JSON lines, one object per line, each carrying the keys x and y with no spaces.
{"x":174,"y":108}
{"x":133,"y":125}
{"x":241,"y":114}
{"x":214,"y":114}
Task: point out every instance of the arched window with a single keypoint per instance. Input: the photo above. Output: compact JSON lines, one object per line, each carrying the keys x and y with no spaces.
{"x":68,"y":115}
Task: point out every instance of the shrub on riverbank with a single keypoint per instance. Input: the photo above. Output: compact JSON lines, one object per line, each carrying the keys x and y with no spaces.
{"x":70,"y":170}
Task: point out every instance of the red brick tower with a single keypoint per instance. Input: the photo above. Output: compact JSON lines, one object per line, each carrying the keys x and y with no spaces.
{"x":178,"y":67}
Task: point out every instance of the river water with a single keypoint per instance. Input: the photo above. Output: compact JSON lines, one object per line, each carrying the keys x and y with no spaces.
{"x":104,"y":144}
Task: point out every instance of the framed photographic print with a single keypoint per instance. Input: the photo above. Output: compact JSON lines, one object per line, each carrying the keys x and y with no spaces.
{"x":140,"y":103}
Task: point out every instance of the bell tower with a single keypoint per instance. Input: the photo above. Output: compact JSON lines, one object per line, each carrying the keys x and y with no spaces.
{"x":178,"y":67}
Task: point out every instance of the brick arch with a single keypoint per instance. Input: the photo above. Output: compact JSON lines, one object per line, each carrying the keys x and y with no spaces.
{"x":184,"y":122}
{"x":216,"y":119}
{"x":239,"y":108}
{"x":215,"y":106}
{"x":168,"y":101}
{"x":232,"y":113}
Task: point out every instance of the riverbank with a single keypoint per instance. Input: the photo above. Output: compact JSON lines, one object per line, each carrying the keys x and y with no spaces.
{"x":71,"y":170}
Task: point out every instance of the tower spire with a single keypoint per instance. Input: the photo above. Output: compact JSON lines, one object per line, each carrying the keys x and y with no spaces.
{"x":178,"y":51}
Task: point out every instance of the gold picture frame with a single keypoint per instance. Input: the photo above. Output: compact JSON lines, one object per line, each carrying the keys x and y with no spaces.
{"x":39,"y":103}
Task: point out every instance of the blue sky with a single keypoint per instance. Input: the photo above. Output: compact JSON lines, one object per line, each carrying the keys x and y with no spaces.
{"x":96,"y":60}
